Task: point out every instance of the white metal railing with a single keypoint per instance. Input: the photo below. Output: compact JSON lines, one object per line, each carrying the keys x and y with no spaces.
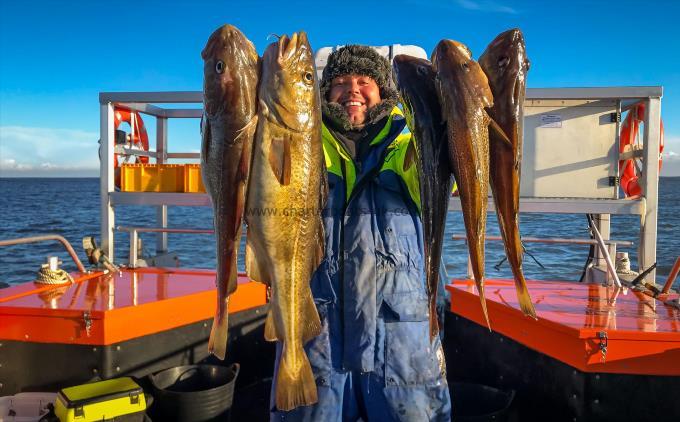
{"x":626,"y":97}
{"x":134,"y":238}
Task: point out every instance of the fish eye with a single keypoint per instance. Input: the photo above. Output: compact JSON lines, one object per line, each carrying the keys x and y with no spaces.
{"x":219,"y":66}
{"x":308,"y":77}
{"x":466,"y":66}
{"x":503,"y":61}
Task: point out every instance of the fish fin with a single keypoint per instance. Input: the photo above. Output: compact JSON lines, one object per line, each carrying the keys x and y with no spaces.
{"x":319,"y":250}
{"x":502,"y":136}
{"x":295,"y":385}
{"x":323,"y":198}
{"x":239,"y":208}
{"x":320,"y":234}
{"x":279,"y":159}
{"x":205,"y":148}
{"x":217,"y":344}
{"x":311,"y":324}
{"x":410,"y":156}
{"x":247,"y":129}
{"x":480,"y":288}
{"x":205,"y":134}
{"x":254,"y":268}
{"x":242,"y":186}
{"x":270,"y":328}
{"x":525,"y":299}
{"x":263,"y":108}
{"x":232,"y":267}
{"x":434,"y":323}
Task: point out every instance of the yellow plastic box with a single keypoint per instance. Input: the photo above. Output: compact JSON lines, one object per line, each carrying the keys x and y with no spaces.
{"x":114,"y":399}
{"x":193,"y":181}
{"x":152,"y":178}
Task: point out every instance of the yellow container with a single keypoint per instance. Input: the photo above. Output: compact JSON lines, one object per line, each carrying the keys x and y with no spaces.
{"x":152,"y":178}
{"x":98,"y":401}
{"x":193,"y":181}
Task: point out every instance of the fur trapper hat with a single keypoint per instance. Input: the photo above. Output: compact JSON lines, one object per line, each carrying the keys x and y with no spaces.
{"x":358,"y":60}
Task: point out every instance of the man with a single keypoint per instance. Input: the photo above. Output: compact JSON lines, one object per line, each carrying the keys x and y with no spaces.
{"x":373,"y":359}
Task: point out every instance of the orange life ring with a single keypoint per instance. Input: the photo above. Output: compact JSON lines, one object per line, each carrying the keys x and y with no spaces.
{"x":138,"y":138}
{"x":629,"y":136}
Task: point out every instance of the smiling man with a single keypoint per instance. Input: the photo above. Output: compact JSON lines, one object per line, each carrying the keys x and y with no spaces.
{"x":356,"y":94}
{"x":373,"y":360}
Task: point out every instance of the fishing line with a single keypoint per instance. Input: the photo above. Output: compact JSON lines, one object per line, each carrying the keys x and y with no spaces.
{"x":525,"y":250}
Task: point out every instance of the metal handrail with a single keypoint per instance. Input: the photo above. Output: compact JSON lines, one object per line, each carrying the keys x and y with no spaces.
{"x":626,"y":98}
{"x":555,"y":240}
{"x":35,"y":239}
{"x":603,"y":250}
{"x":134,"y":231}
{"x":162,"y":230}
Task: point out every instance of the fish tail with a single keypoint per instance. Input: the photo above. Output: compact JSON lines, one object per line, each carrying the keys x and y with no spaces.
{"x":217,"y":344}
{"x":270,"y":326}
{"x":480,"y":287}
{"x":513,"y":250}
{"x":295,"y":385}
{"x":524,"y":298}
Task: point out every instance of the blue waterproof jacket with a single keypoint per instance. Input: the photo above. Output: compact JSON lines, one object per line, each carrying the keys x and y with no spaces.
{"x":370,"y":291}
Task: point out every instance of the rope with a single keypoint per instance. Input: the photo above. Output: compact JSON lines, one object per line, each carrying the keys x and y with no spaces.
{"x":47,"y":276}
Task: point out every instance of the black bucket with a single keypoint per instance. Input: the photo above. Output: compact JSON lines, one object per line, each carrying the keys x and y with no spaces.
{"x":194,"y":393}
{"x":480,"y":403}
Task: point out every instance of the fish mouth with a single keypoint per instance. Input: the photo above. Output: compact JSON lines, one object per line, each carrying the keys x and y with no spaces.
{"x":289,"y":46}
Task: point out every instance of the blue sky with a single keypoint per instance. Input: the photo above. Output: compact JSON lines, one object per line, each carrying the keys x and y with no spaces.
{"x":57,"y":56}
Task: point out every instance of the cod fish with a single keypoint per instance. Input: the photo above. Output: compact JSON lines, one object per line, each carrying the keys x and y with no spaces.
{"x":505,"y":64}
{"x":285,"y":240}
{"x":231,"y":67}
{"x":415,"y":79}
{"x":464,"y":93}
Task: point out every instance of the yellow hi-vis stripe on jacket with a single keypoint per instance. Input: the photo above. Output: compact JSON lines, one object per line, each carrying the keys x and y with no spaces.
{"x":335,"y":154}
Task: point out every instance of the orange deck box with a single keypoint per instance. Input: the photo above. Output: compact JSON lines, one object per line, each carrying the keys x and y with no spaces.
{"x":130,"y":323}
{"x":595,"y":353}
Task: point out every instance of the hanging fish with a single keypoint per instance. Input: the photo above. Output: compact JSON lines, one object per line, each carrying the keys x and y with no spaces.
{"x":285,"y":240}
{"x":230,"y":75}
{"x":506,"y":65}
{"x":415,"y":79}
{"x":464,"y":93}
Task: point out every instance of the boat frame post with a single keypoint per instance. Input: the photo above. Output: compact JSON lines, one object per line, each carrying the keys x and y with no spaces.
{"x":161,"y":157}
{"x":106,"y":176}
{"x":650,"y":186}
{"x":603,"y":224}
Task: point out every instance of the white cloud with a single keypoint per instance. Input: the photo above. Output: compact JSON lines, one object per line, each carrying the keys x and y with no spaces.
{"x":33,"y":151}
{"x":486,"y":6}
{"x":671,"y":156}
{"x":671,"y":146}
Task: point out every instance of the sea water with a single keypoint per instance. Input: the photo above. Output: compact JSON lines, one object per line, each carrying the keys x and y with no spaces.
{"x":70,"y":207}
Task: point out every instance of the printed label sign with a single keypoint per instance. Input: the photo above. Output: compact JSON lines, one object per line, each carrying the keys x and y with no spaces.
{"x":551,"y":120}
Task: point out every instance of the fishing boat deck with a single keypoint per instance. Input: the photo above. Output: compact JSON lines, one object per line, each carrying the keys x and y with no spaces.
{"x":590,"y":327}
{"x":105,"y":309}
